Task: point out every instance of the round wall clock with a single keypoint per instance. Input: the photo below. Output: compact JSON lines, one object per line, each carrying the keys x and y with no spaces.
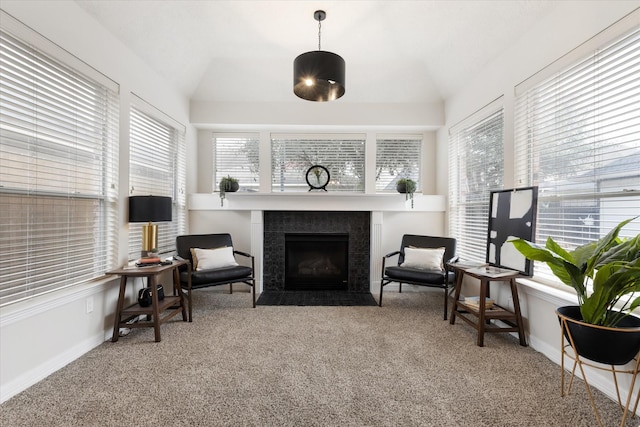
{"x":317,"y":177}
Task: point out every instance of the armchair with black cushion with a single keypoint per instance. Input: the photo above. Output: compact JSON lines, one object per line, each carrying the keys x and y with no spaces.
{"x":213,"y":262}
{"x":422,"y":260}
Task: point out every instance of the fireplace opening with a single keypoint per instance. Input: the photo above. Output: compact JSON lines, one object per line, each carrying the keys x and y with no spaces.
{"x":316,"y":261}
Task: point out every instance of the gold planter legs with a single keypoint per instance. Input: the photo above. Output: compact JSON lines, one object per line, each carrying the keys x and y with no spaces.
{"x":581,"y":361}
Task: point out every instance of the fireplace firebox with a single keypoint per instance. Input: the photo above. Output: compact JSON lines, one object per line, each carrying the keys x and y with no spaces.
{"x":316,"y":261}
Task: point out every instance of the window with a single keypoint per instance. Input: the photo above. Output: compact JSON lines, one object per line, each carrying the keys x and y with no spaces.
{"x":157,"y":163}
{"x":578,"y":139}
{"x":58,"y":169}
{"x":397,"y":157}
{"x":237,"y":156}
{"x":293,"y":155}
{"x":476,"y":168}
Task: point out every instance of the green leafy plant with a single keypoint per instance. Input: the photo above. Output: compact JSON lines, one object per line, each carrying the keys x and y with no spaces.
{"x":407,"y":186}
{"x":604,"y":273}
{"x":226,"y":184}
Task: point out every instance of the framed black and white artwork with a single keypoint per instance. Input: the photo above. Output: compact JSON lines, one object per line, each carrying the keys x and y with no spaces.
{"x":512,"y":215}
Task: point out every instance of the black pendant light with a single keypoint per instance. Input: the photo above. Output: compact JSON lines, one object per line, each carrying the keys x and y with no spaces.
{"x":319,"y":75}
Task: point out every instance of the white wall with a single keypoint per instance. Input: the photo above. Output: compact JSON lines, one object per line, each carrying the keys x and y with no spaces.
{"x":568,"y":27}
{"x":39,"y":336}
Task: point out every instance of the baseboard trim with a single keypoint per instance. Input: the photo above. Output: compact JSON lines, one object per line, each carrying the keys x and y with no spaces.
{"x":42,"y":371}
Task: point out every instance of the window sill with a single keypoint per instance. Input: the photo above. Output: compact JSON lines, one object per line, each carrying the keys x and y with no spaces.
{"x":20,"y":310}
{"x":548,"y":293}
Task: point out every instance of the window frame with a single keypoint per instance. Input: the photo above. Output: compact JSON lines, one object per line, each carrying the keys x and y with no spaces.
{"x":157,"y":146}
{"x":469,"y":216}
{"x":73,"y":149}
{"x":569,"y":106}
{"x":330,"y":154}
{"x":237,"y":163}
{"x":402,"y":164}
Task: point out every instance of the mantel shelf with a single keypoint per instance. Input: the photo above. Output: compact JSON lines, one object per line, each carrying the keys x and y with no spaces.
{"x":317,"y":201}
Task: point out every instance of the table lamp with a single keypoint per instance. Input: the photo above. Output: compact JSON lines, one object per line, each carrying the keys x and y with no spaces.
{"x":149,"y":209}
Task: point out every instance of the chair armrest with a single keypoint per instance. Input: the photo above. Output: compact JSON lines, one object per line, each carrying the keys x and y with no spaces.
{"x":243,"y":254}
{"x":389,"y":255}
{"x":384,"y":260}
{"x":253,"y":263}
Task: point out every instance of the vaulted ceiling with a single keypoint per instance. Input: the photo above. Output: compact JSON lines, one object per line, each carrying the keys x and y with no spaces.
{"x":395,"y":51}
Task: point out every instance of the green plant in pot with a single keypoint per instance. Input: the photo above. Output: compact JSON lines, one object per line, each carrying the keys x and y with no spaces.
{"x":605,"y":274}
{"x":406,"y":186}
{"x":227,"y":184}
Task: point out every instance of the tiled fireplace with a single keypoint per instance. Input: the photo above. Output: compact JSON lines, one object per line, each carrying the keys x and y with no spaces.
{"x":323,"y":228}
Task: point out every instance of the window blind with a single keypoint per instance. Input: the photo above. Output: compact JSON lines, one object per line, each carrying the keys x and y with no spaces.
{"x":476,"y":168}
{"x":293,"y":155}
{"x":237,"y":156}
{"x":58,"y":171}
{"x":157,"y":166}
{"x":396,"y":158}
{"x":577,"y":137}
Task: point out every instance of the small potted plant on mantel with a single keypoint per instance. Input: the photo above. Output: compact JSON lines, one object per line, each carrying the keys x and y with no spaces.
{"x":407,"y":186}
{"x":227,"y":184}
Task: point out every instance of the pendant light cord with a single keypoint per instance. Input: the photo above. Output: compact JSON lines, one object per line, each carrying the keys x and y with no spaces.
{"x":319,"y":31}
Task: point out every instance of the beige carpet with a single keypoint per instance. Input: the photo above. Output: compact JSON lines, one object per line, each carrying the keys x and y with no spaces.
{"x":399,"y":365}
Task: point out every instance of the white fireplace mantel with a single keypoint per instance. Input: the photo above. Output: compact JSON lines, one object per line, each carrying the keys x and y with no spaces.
{"x":317,"y":201}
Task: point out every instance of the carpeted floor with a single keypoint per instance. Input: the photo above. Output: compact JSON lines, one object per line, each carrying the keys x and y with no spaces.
{"x":396,"y":365}
{"x":306,"y":298}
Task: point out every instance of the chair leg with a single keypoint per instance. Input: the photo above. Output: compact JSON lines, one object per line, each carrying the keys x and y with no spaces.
{"x":446,"y":297}
{"x":399,"y":287}
{"x":381,"y":288}
{"x":188,"y":296}
{"x":230,"y":288}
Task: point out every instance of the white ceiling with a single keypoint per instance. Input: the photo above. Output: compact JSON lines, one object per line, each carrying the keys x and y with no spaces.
{"x":395,"y":51}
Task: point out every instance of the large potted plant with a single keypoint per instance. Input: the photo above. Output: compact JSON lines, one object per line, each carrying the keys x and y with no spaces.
{"x":605,"y":274}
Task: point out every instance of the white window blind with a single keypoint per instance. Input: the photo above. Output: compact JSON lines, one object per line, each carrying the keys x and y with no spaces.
{"x":58,"y":169}
{"x":237,"y":156}
{"x":157,"y":166}
{"x":476,"y":168}
{"x":578,"y":139}
{"x":398,"y":157}
{"x":293,"y":155}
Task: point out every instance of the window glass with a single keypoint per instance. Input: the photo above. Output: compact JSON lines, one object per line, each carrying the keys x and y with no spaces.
{"x":578,"y":139}
{"x":397,"y":158}
{"x":476,"y":167}
{"x":342,"y":155}
{"x":237,"y":156}
{"x":157,"y":167}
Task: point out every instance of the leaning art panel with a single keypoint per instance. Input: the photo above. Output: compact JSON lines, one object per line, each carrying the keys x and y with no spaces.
{"x":512,"y":215}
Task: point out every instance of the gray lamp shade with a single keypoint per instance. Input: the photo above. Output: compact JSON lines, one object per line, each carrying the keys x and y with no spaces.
{"x":149,"y":209}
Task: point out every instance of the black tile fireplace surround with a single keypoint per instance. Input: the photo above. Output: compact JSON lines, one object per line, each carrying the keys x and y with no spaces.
{"x":279,"y":223}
